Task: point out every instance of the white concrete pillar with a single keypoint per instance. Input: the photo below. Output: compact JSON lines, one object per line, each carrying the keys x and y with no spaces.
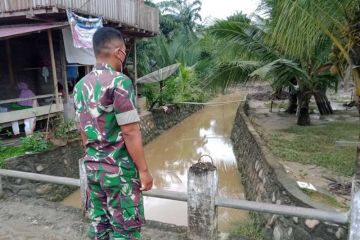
{"x":354,"y":232}
{"x":1,"y":188}
{"x":202,"y":212}
{"x":83,"y":185}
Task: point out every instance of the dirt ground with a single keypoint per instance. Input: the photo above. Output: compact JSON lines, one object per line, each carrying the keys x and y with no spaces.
{"x":37,"y":219}
{"x":34,"y":219}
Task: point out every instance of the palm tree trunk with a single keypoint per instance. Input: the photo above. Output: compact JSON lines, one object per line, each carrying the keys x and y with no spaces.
{"x":303,"y":113}
{"x":293,"y":97}
{"x":323,"y":103}
{"x":356,"y":77}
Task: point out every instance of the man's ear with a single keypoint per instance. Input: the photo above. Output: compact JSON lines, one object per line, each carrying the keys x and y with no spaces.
{"x":118,"y":54}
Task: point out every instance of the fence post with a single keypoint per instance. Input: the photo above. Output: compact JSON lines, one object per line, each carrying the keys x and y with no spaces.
{"x":354,"y":232}
{"x":1,"y":188}
{"x":83,"y":183}
{"x":202,"y":212}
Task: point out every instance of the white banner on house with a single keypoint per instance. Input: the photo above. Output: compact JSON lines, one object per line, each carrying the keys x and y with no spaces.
{"x":84,"y":56}
{"x":83,"y":29}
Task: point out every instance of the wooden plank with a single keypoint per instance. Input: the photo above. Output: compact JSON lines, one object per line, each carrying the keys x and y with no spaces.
{"x":25,"y":99}
{"x":63,"y":71}
{"x":53,"y":66}
{"x":87,"y":69}
{"x":38,"y":118}
{"x":10,"y":65}
{"x":6,"y":117}
{"x":135,"y":73}
{"x":128,"y":12}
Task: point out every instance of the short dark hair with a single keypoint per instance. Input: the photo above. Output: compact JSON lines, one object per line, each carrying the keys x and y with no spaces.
{"x":104,"y":36}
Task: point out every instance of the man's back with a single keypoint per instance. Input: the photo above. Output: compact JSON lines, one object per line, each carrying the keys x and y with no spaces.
{"x":103,"y":99}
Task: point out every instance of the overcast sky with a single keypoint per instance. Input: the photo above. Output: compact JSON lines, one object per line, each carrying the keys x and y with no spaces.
{"x":218,"y":9}
{"x":223,"y":8}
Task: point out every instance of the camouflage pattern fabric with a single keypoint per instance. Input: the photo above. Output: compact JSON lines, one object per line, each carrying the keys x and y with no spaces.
{"x":116,"y":212}
{"x":104,"y":101}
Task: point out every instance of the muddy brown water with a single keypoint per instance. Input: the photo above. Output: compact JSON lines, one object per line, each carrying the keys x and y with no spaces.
{"x":171,"y":154}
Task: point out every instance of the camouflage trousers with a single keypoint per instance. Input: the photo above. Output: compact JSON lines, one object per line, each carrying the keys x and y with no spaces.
{"x":114,"y":205}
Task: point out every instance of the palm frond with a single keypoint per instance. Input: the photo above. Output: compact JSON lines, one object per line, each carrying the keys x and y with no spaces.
{"x":228,"y":73}
{"x":326,"y":79}
{"x":248,"y":37}
{"x":281,"y":71}
{"x":298,"y":26}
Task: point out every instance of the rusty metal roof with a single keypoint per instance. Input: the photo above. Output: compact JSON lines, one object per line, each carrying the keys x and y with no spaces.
{"x":11,"y":31}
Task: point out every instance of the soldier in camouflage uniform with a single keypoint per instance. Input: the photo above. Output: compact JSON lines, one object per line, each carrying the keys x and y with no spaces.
{"x":115,"y":164}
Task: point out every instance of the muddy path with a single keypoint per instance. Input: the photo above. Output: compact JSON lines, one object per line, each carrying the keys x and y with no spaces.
{"x":37,"y":219}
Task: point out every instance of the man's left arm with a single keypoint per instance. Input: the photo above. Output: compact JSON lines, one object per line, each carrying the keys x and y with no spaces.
{"x":128,"y":118}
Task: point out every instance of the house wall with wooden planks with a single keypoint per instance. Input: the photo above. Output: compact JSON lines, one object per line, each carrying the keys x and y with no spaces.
{"x":132,"y":13}
{"x":29,"y":55}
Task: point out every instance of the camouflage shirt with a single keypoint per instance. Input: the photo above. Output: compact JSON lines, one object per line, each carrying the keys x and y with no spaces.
{"x":104,"y":101}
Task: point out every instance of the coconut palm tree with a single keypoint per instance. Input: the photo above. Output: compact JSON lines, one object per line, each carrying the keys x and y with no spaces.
{"x":237,"y":49}
{"x":298,"y":26}
{"x":243,"y":53}
{"x":308,"y":22}
{"x":182,"y":11}
{"x":180,"y":49}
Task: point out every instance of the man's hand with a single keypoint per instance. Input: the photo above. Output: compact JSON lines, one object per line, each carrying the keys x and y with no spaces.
{"x":133,"y":141}
{"x":146,"y":181}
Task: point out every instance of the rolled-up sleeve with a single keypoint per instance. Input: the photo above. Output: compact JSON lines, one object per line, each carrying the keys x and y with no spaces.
{"x":124,"y":103}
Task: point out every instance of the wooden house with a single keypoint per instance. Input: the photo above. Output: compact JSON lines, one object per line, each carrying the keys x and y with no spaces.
{"x":32,"y":47}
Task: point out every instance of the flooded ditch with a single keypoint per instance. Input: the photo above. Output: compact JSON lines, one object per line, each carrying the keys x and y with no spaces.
{"x":171,"y":154}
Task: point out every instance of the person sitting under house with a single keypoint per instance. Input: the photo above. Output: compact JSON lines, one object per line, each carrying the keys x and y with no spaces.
{"x":25,"y":93}
{"x":61,"y":91}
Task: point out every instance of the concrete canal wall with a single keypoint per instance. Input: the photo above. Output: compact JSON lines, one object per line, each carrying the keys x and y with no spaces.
{"x":265,"y":180}
{"x":63,"y":161}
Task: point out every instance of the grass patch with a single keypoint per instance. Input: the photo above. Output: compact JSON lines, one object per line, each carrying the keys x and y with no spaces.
{"x":250,"y":230}
{"x":326,"y":199}
{"x":317,"y":145}
{"x":9,"y":152}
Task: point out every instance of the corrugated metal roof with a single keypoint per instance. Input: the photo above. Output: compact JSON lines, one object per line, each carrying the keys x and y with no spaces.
{"x":11,"y":31}
{"x":159,"y":75}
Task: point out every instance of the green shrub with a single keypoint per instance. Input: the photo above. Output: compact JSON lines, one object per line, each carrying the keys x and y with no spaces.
{"x":151,"y":92}
{"x":64,"y":130}
{"x":251,"y":230}
{"x":182,"y":87}
{"x":35,"y":143}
